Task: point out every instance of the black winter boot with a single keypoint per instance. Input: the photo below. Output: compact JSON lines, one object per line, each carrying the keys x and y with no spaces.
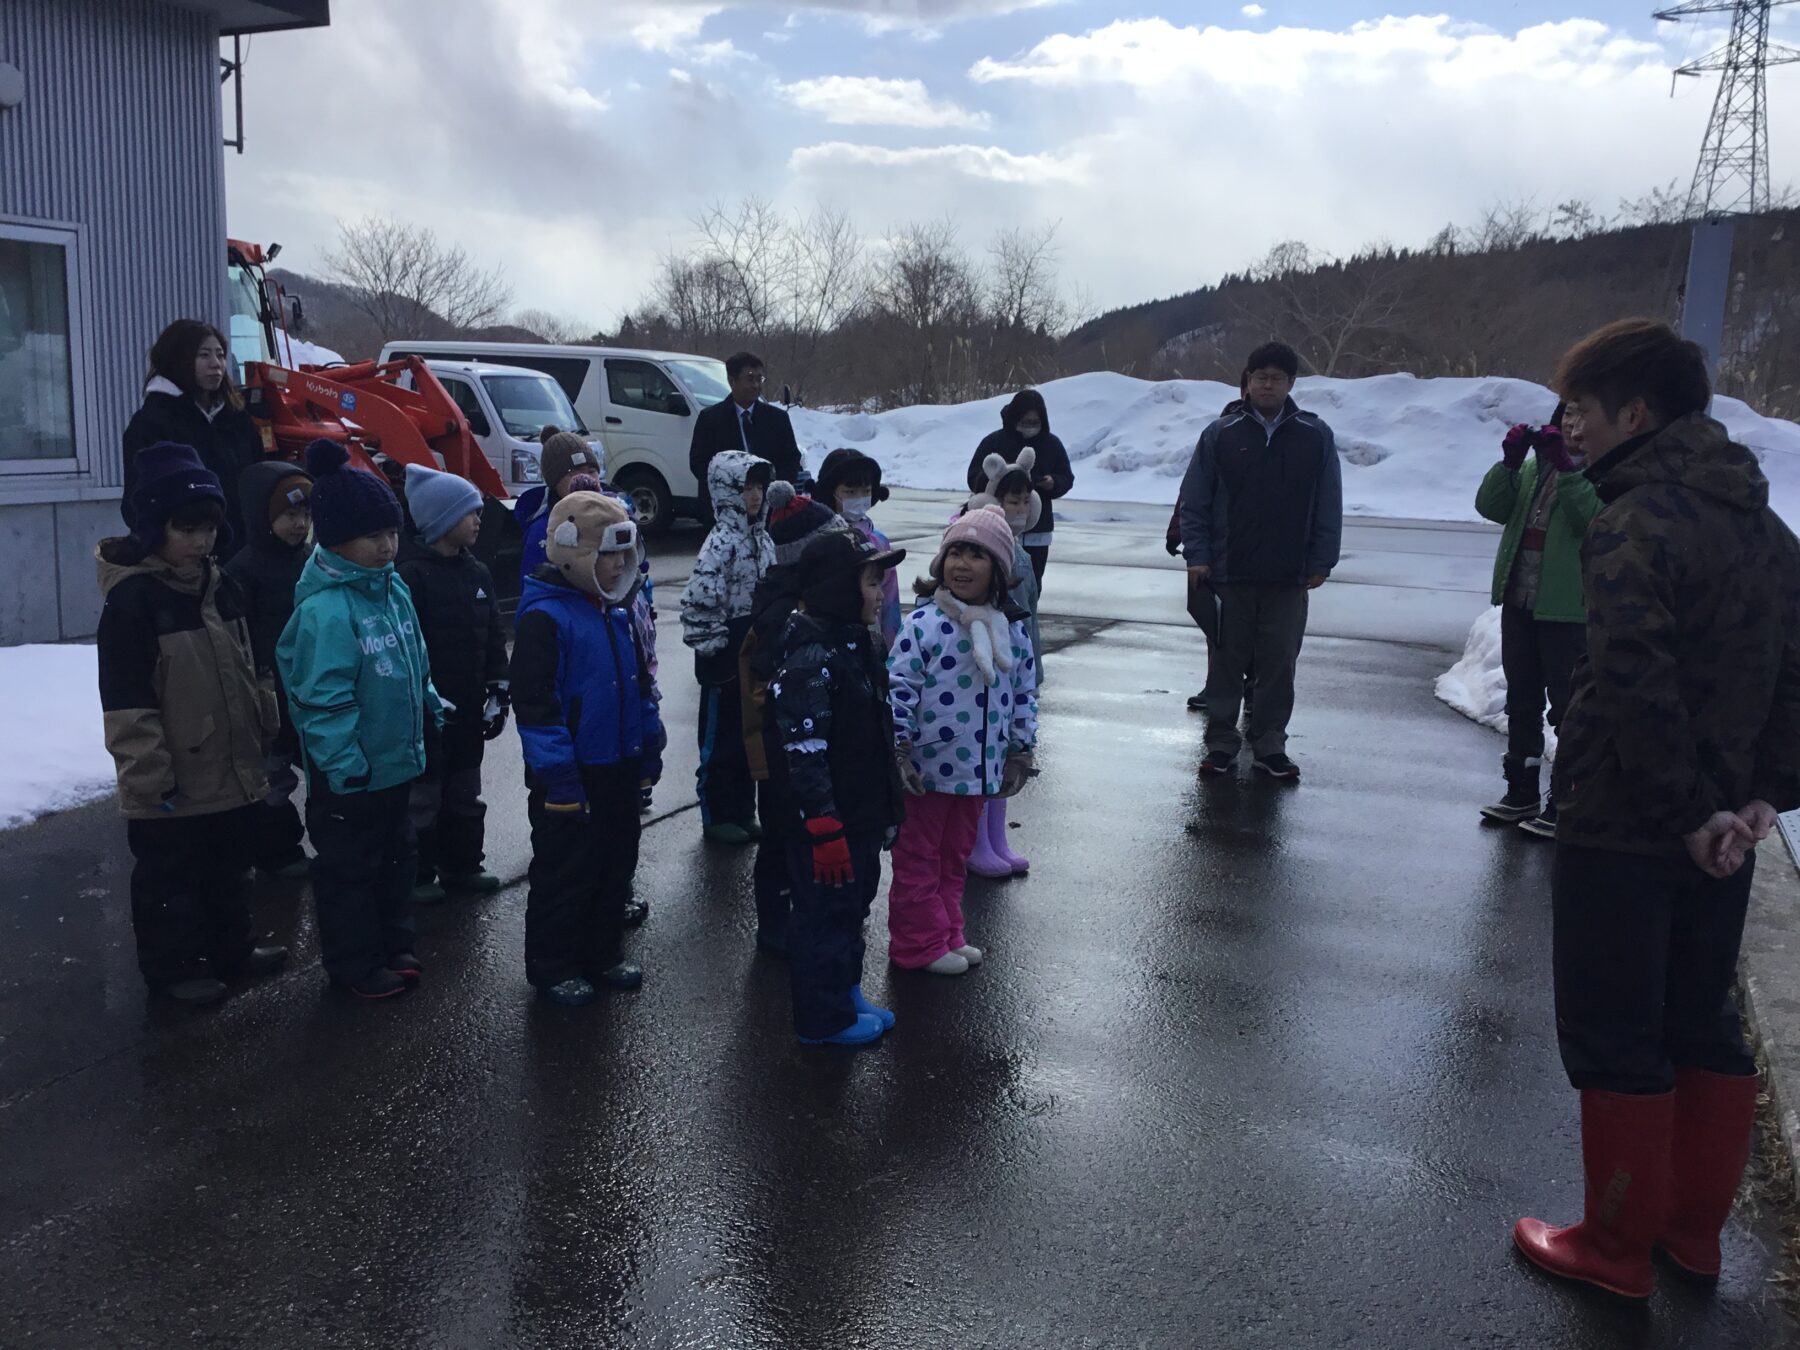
{"x":1521,"y":801}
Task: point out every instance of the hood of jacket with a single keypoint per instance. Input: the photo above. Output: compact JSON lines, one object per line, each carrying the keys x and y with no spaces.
{"x":727,"y":477}
{"x":1026,"y":400}
{"x":325,"y":570}
{"x":117,"y":559}
{"x":1694,"y":452}
{"x":255,"y":484}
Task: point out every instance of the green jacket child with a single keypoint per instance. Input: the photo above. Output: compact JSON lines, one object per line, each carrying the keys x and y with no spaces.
{"x":1507,"y":497}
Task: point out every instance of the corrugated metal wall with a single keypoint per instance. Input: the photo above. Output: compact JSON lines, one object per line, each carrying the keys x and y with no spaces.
{"x":120,"y":132}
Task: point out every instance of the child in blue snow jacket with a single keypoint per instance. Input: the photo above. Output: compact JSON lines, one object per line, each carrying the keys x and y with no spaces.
{"x":586,"y":709}
{"x":963,"y":691}
{"x":849,"y":483}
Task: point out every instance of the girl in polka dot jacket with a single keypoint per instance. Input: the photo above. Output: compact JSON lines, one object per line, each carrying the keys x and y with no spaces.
{"x":963,"y":690}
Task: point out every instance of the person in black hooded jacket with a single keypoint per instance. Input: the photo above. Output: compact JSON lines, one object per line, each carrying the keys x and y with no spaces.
{"x":1026,"y":421}
{"x":275,"y":500}
{"x":465,"y":637}
{"x":189,"y":399}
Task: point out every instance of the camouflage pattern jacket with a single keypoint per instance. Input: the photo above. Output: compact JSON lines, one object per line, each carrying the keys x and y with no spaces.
{"x":1687,"y":700}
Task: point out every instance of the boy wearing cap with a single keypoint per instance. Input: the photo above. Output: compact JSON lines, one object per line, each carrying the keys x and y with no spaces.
{"x":588,"y":722}
{"x":562,"y":457}
{"x":359,"y":684}
{"x":186,"y":723}
{"x":830,"y":693}
{"x":465,"y":636}
{"x":275,"y":500}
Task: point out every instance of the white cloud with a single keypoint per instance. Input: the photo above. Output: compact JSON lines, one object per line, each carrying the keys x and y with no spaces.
{"x":1253,"y":11}
{"x":986,"y":162}
{"x":668,"y":28}
{"x":858,"y":100}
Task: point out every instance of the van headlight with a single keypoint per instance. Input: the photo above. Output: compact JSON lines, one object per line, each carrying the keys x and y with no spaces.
{"x":525,"y":467}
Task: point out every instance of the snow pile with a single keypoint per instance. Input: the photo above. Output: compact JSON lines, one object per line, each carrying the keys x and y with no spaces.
{"x":1411,"y":448}
{"x":56,"y":754}
{"x":293,"y":352}
{"x":1476,"y":686}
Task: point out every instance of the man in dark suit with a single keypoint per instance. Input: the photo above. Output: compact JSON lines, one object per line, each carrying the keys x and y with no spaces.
{"x":745,"y":422}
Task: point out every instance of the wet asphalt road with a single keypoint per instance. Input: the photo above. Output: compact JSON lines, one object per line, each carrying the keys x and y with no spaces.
{"x":1247,"y":1066}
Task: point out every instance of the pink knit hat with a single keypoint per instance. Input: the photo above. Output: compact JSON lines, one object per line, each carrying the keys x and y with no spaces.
{"x":985,"y":527}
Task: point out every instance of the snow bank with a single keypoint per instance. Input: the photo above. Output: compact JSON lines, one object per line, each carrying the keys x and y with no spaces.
{"x":293,"y":352}
{"x":1476,"y":686}
{"x":1411,"y":448}
{"x":56,"y":752}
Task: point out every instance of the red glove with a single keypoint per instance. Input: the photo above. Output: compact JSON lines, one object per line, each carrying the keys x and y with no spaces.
{"x":831,"y":852}
{"x":1516,"y":442}
{"x":1553,"y":450}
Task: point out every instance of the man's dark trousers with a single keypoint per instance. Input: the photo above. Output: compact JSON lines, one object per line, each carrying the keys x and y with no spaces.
{"x":1260,"y":626}
{"x":362,"y":877}
{"x":1645,"y":952}
{"x":825,"y":935}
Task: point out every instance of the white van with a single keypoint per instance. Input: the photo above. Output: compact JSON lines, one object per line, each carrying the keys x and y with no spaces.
{"x":507,"y":408}
{"x":642,"y":404}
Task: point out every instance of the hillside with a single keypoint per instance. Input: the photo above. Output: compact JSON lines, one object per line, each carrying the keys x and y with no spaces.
{"x":331,"y":319}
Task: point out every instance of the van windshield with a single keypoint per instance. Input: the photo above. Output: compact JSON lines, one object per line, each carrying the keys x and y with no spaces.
{"x":526,"y":403}
{"x":704,"y":378}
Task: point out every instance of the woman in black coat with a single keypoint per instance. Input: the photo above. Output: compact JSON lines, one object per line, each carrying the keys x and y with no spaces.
{"x":1026,"y":421}
{"x":189,"y":399}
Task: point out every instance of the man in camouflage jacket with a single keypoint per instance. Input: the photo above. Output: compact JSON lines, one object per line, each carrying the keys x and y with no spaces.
{"x":1681,"y":741}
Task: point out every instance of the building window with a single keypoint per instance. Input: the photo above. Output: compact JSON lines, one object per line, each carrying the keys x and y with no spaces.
{"x":40,"y":366}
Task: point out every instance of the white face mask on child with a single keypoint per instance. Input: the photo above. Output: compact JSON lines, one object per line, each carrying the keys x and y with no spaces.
{"x":857,"y":508}
{"x":1018,"y":520}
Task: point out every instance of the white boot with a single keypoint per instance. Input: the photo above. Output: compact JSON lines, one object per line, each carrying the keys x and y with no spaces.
{"x":970,"y":954}
{"x":950,"y":963}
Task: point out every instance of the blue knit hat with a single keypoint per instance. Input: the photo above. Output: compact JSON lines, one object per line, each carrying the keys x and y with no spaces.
{"x":170,"y":476}
{"x":346,"y":502}
{"x":438,"y":501}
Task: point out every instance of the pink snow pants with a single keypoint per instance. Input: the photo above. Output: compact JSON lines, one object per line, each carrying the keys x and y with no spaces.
{"x":925,"y":914}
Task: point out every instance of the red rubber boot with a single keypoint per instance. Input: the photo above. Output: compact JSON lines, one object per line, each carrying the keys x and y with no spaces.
{"x":1714,"y":1116}
{"x":1625,"y":1158}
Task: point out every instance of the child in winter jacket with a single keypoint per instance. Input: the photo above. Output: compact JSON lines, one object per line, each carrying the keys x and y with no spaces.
{"x":715,"y":615}
{"x":359,"y":684}
{"x":186,"y":723}
{"x":562,"y":455}
{"x":831,"y":704}
{"x":465,"y":637}
{"x":274,"y":497}
{"x":794,"y":520}
{"x":850,"y":483}
{"x":587,"y":717}
{"x":1009,"y":488}
{"x":964,"y":698}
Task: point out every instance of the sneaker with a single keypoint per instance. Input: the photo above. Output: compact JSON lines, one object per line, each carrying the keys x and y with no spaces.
{"x":1197,"y":703}
{"x":726,"y":832}
{"x":865,"y":1030}
{"x":950,"y":963}
{"x":265,"y":960}
{"x":863,"y":1005}
{"x":636,"y":911}
{"x":1278,"y":766}
{"x":1519,"y":804}
{"x":428,"y":893}
{"x":575,"y":993}
{"x":195,"y":993}
{"x":478,"y":883}
{"x":973,"y":955}
{"x":378,"y":984}
{"x":1543,"y":824}
{"x":622,"y":976}
{"x":407,"y":966}
{"x":1218,"y":763}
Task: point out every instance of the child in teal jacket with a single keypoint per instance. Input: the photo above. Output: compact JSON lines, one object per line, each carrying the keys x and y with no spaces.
{"x":358,"y":681}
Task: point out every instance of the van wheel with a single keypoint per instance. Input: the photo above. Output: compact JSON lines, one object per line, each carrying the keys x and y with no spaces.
{"x":650,"y":498}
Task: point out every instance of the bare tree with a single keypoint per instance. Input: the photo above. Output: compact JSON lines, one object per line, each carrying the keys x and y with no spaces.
{"x":1575,"y":219}
{"x":1659,"y":206}
{"x":1504,"y":226}
{"x":745,"y":244}
{"x":827,"y":285}
{"x":928,"y":287}
{"x":553,"y":328}
{"x":411,"y":285}
{"x":1331,"y":311}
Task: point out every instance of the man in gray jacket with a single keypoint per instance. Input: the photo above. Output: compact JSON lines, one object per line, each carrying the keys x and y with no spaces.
{"x":1262,"y":519}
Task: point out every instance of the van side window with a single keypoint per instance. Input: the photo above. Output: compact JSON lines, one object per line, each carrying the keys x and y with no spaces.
{"x":641,"y":385}
{"x":469,"y":401}
{"x":568,"y":371}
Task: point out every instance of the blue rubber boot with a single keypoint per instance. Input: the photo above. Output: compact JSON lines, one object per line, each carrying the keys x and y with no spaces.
{"x":865,"y":1030}
{"x":864,"y":1006}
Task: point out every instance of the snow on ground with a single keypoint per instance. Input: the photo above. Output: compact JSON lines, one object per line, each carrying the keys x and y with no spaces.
{"x":56,"y":755}
{"x":1476,"y":686}
{"x":1411,"y":448}
{"x":293,"y":352}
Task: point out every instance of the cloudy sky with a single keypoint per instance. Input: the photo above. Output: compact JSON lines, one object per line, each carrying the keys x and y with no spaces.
{"x":573,"y":142}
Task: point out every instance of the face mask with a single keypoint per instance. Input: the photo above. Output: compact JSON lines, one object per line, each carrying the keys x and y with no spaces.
{"x":1018,"y":520}
{"x":855,"y":508}
{"x":1030,"y":429}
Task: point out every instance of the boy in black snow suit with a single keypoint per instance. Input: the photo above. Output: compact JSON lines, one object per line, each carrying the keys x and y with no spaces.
{"x":465,"y":636}
{"x":831,"y":703}
{"x":794,"y":520}
{"x":275,"y":498}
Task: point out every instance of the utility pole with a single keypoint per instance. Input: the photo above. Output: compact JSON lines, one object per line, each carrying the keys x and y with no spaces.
{"x":1732,"y":175}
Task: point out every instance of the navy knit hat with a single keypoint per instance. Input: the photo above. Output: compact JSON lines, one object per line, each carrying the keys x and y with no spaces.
{"x":346,"y":502}
{"x":438,"y":500}
{"x":170,"y":476}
